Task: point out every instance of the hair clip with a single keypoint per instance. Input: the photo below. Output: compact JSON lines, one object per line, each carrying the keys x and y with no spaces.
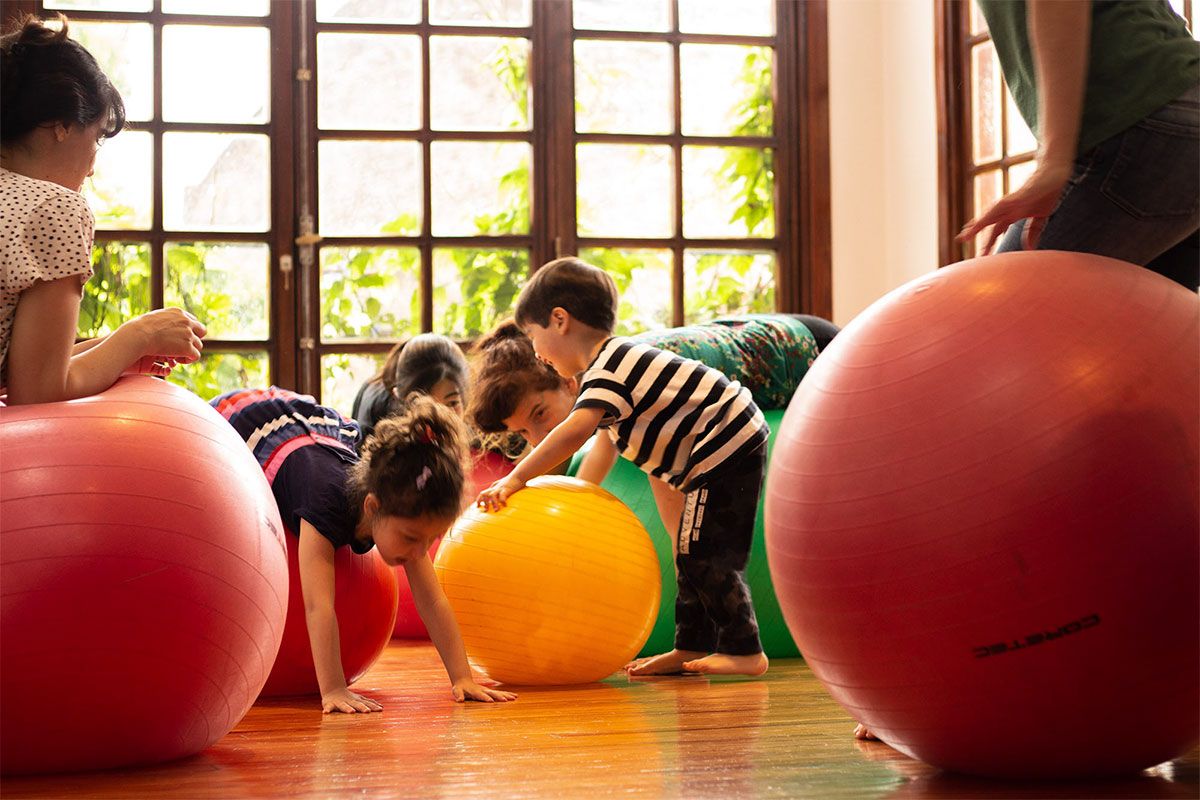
{"x":424,"y":477}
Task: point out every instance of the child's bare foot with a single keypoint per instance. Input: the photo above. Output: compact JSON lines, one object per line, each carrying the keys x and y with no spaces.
{"x":663,"y":664}
{"x":863,"y":733}
{"x":722,"y":664}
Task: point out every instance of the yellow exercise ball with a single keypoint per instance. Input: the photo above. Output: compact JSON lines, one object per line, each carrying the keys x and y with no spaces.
{"x":560,"y":586}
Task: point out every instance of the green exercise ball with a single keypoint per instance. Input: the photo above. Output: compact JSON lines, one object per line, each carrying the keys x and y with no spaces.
{"x":630,"y":484}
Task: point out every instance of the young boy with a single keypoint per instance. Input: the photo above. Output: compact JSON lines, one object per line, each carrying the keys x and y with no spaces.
{"x":699,"y":436}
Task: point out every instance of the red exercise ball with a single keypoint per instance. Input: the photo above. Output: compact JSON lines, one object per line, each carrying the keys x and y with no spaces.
{"x":143,"y":579}
{"x":365,"y":604}
{"x":982,"y":517}
{"x":489,"y":467}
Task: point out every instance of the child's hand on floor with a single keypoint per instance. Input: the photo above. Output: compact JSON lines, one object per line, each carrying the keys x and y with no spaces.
{"x":495,"y":496}
{"x":468,"y":689}
{"x":348,"y":702}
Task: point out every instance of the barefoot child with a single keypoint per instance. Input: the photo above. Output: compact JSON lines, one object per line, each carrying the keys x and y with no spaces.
{"x":698,"y":435}
{"x":401,"y":493}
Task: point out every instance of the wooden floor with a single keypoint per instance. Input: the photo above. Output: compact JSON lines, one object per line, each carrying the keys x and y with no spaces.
{"x":663,"y":737}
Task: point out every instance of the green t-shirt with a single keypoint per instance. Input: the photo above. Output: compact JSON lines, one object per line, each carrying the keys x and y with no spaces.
{"x":1141,"y":57}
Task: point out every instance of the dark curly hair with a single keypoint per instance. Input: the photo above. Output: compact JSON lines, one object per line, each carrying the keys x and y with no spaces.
{"x":505,"y":370}
{"x":47,"y":77}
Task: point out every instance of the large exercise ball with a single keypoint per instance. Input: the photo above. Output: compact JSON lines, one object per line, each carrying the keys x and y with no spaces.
{"x":486,"y":468}
{"x":365,"y":605}
{"x":982,"y":517}
{"x":560,"y":586}
{"x":143,"y":579}
{"x":632,"y":487}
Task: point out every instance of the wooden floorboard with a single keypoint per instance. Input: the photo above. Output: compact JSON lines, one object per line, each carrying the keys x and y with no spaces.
{"x":690,"y":737}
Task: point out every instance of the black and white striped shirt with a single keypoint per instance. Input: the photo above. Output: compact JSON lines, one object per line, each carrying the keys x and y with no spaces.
{"x":676,"y":418}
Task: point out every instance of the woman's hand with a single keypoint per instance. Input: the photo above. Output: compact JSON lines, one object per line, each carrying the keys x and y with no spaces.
{"x":347,"y":702}
{"x":170,"y":333}
{"x":1035,"y":201}
{"x":468,"y":689}
{"x":495,"y":496}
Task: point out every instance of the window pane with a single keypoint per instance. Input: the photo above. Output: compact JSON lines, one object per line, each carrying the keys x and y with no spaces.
{"x":121,"y":191}
{"x":1019,"y":173}
{"x":216,"y":182}
{"x":368,"y":188}
{"x":341,"y":376}
{"x":622,"y":15}
{"x":726,"y":90}
{"x":118,"y":291}
{"x":717,"y":282}
{"x":480,"y":188}
{"x":987,"y":191}
{"x":480,"y":12}
{"x":218,"y":8}
{"x":625,"y":190}
{"x":98,"y":5}
{"x":370,"y":292}
{"x":474,"y":288}
{"x":223,"y":285}
{"x":643,"y":278}
{"x":234,"y":87}
{"x":478,"y":83}
{"x":985,"y":103}
{"x":745,"y":17}
{"x":125,"y":51}
{"x":728,"y":191}
{"x":394,"y":11}
{"x":368,"y":81}
{"x":217,"y":373}
{"x":623,"y":87}
{"x":1020,"y":138}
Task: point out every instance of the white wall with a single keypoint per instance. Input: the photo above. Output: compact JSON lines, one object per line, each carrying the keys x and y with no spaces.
{"x":883,"y":151}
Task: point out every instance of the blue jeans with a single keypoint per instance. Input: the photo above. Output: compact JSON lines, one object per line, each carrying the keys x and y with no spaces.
{"x":1135,"y":196}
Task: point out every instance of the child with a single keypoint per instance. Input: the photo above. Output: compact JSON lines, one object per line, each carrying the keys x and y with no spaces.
{"x":428,"y":363}
{"x":401,"y":493}
{"x":698,"y":435}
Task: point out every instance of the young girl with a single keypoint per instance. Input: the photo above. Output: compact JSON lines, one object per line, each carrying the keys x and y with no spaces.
{"x":403,"y":491}
{"x":57,"y":107}
{"x":428,"y":363}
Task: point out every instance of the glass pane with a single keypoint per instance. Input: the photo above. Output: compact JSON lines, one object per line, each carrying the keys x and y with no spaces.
{"x":370,"y":292}
{"x":625,"y":190}
{"x":474,"y":288}
{"x":341,"y":376}
{"x":368,"y":80}
{"x":978,"y":23}
{"x":118,"y":291}
{"x":366,"y":188}
{"x":125,"y":51}
{"x":236,"y":87}
{"x":1020,"y":138}
{"x":745,"y":17}
{"x":217,"y":373}
{"x":478,"y":83}
{"x":726,"y":90}
{"x":643,"y":278}
{"x":728,"y":191}
{"x":216,"y":182}
{"x":623,"y":87}
{"x":480,"y":188}
{"x":98,"y":5}
{"x":218,"y":8}
{"x":393,"y":11}
{"x":480,"y":12}
{"x":224,"y":285}
{"x":718,"y":282}
{"x":622,"y":15}
{"x":1019,"y":173}
{"x":120,"y":191}
{"x":985,"y":103}
{"x":987,"y":191}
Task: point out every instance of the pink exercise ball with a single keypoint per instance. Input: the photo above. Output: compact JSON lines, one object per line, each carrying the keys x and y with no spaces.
{"x":488,"y":467}
{"x":143,"y":579}
{"x":982,"y":517}
{"x":365,"y":604}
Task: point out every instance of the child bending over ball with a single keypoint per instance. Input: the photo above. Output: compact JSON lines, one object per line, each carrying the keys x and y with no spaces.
{"x":397,"y":491}
{"x":699,"y":436}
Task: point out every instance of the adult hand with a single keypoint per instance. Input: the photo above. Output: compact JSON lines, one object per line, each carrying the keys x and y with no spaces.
{"x":1035,"y":201}
{"x":170,"y":333}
